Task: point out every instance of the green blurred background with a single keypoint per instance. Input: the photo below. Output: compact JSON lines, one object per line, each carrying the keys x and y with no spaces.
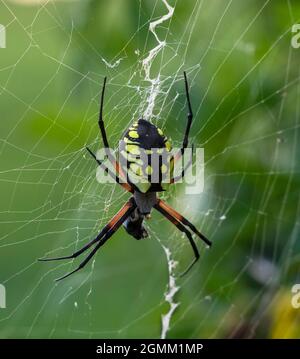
{"x":245,"y":91}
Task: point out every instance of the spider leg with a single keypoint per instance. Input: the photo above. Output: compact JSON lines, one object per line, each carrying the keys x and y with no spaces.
{"x":115,"y":224}
{"x":103,"y":131}
{"x":180,"y":153}
{"x":82,"y":250}
{"x":184,"y":170}
{"x":181,"y":227}
{"x":125,"y":185}
{"x":189,"y":115}
{"x":100,"y":120}
{"x":183,"y":220}
{"x":111,"y":158}
{"x":124,"y":210}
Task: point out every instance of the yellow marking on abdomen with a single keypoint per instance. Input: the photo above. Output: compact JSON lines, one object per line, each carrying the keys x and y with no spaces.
{"x":163,"y":168}
{"x":129,"y":141}
{"x":133,"y":149}
{"x":136,"y":169}
{"x":133,"y":134}
{"x":160,"y":131}
{"x":131,"y":158}
{"x":168,"y":146}
{"x":148,"y":170}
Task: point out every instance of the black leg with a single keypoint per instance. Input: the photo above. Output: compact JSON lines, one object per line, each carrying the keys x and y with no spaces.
{"x":100,"y":121}
{"x":185,"y":141}
{"x":125,"y":185}
{"x":183,"y":220}
{"x":104,"y":235}
{"x":129,"y":208}
{"x":182,"y":174}
{"x":110,"y":157}
{"x":102,"y":127}
{"x":82,"y":250}
{"x":173,"y":220}
{"x":189,"y":115}
{"x":109,"y":225}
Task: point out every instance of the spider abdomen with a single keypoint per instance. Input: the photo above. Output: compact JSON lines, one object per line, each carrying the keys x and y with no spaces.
{"x":145,"y":154}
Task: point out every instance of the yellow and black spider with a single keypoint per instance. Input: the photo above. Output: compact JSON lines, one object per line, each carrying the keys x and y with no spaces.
{"x":141,"y":138}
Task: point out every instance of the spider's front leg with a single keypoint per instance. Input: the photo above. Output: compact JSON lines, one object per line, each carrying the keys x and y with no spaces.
{"x":183,"y":170}
{"x":125,"y":185}
{"x":110,"y":156}
{"x":185,"y":141}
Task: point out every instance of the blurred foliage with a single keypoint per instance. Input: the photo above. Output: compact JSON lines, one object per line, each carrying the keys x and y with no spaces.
{"x":245,"y":91}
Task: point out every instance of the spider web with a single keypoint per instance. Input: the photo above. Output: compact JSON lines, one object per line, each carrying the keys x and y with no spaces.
{"x":246,"y":98}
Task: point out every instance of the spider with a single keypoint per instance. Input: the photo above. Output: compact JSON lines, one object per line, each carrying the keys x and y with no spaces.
{"x":142,"y":135}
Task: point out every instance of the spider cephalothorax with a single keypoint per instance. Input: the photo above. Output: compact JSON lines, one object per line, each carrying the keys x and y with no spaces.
{"x":144,"y":165}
